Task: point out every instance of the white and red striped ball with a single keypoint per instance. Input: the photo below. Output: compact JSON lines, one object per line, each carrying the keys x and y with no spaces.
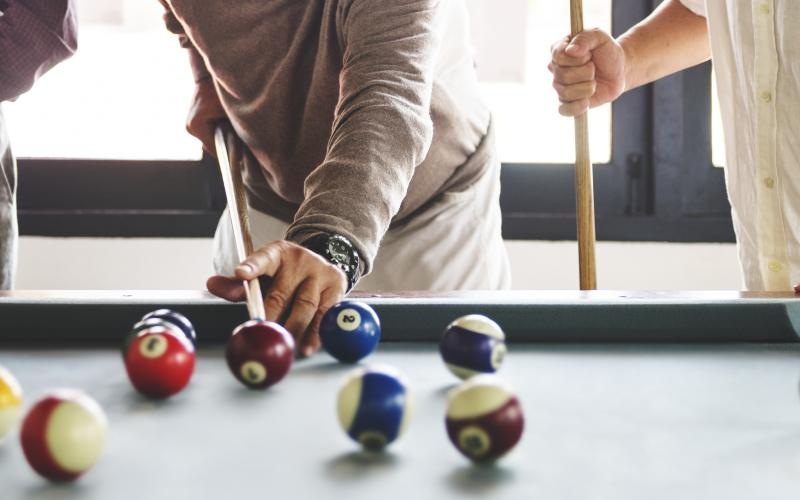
{"x":63,"y":434}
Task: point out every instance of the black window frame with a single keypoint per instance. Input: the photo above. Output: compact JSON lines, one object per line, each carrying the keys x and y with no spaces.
{"x":660,"y":184}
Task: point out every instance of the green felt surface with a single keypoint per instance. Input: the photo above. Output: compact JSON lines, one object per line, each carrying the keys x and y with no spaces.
{"x":613,"y":421}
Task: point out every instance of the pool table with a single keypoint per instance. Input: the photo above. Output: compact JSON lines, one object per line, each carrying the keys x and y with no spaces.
{"x":627,"y":395}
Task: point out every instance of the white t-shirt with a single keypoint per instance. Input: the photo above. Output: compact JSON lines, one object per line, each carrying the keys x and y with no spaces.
{"x":755,"y":46}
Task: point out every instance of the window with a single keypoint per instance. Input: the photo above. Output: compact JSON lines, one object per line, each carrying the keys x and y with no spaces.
{"x":123,"y":95}
{"x":115,"y":161}
{"x":512,"y":50}
{"x":100,"y":138}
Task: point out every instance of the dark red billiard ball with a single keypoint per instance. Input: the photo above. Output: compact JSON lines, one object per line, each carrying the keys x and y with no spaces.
{"x":260,"y":353}
{"x":484,"y":418}
{"x":159,"y":360}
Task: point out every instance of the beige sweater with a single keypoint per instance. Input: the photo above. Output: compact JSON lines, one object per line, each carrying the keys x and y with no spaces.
{"x":357,"y":112}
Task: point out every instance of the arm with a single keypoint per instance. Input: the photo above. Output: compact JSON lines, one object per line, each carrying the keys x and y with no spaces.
{"x":382,"y":129}
{"x":671,"y":39}
{"x":593,"y":68}
{"x":35,"y":35}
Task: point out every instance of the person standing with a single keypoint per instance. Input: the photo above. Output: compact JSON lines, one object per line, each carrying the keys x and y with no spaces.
{"x":35,"y":35}
{"x":756,"y":54}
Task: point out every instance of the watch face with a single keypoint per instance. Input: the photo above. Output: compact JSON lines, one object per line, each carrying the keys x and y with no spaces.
{"x":339,"y":252}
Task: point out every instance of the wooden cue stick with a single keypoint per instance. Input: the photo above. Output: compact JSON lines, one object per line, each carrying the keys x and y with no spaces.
{"x":583,"y":180}
{"x":230,"y":165}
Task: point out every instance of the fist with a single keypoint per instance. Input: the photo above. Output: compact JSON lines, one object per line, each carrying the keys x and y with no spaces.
{"x":588,"y":70}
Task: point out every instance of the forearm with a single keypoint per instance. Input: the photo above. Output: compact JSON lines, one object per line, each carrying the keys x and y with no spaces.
{"x":671,"y":39}
{"x":383,"y":128}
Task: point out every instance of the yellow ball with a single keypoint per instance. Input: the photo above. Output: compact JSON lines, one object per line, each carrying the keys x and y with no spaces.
{"x":10,"y":402}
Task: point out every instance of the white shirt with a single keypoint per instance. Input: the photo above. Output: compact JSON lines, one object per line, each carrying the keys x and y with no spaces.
{"x":755,"y":45}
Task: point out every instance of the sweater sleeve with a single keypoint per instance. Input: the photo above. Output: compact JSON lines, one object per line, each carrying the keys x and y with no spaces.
{"x":35,"y":35}
{"x":382,"y":126}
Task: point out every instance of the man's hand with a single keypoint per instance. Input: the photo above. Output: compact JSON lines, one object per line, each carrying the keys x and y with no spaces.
{"x":588,"y":70}
{"x":204,"y":113}
{"x":302,"y":288}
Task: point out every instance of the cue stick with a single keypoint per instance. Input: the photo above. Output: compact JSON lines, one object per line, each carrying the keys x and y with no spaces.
{"x":230,"y":166}
{"x":583,"y":180}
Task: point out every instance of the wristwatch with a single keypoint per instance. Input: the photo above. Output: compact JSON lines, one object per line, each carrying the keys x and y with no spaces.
{"x":337,"y":250}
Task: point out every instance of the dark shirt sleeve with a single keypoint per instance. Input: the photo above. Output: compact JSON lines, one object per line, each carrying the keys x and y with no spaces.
{"x":382,"y":128}
{"x":35,"y":35}
{"x":174,"y":26}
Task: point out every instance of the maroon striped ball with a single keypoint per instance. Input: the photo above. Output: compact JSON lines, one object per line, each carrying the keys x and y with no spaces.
{"x":260,"y":353}
{"x":484,"y":419}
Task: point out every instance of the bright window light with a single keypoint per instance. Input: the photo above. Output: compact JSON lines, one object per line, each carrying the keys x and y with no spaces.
{"x":512,"y":43}
{"x":124,"y":95}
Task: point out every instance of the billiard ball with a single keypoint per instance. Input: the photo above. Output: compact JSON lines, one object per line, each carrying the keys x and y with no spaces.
{"x":177,"y":319}
{"x":471,"y":345}
{"x":63,"y":435}
{"x":146,"y":324}
{"x":10,"y":402}
{"x":260,"y":353}
{"x":484,"y":418}
{"x":350,"y":331}
{"x":159,"y":360}
{"x":374,"y":406}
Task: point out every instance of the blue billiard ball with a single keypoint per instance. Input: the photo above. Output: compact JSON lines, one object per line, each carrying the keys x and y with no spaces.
{"x":350,"y":331}
{"x":374,"y":406}
{"x":177,"y":319}
{"x":471,"y":345}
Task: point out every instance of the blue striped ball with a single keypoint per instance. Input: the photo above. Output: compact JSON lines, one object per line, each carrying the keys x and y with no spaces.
{"x":374,"y":406}
{"x":471,"y":345}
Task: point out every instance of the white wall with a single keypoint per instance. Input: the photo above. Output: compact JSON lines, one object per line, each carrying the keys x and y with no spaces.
{"x":112,"y":263}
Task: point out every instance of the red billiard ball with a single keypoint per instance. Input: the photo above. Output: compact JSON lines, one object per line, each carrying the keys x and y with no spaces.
{"x":159,"y":360}
{"x":484,"y":418}
{"x":63,"y":435}
{"x":260,"y":353}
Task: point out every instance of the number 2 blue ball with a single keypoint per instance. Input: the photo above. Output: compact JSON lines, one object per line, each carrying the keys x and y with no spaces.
{"x":350,"y":331}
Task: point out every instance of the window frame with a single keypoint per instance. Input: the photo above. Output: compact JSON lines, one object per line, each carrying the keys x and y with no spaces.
{"x":660,"y":184}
